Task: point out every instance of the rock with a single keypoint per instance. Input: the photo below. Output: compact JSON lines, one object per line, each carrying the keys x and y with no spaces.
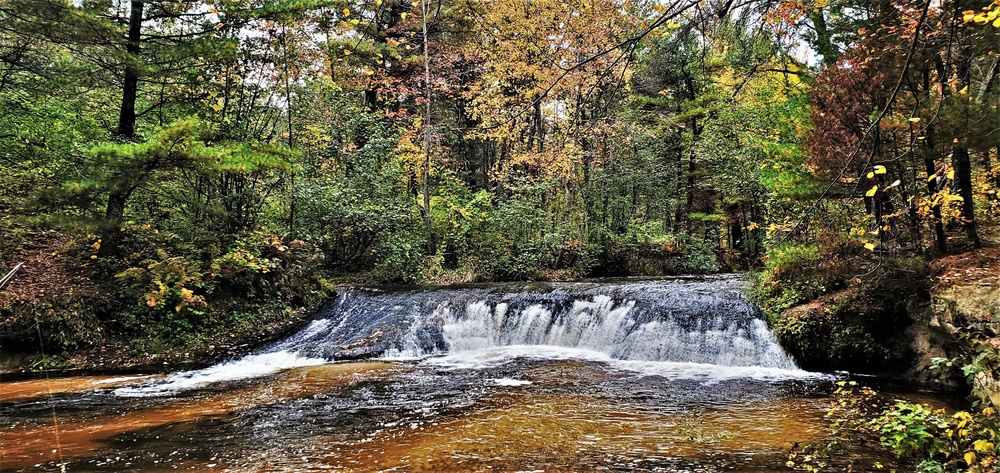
{"x":857,"y":329}
{"x":964,"y":309}
{"x":928,"y":339}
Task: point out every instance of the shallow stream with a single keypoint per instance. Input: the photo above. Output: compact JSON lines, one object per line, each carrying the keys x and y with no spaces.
{"x":669,"y":375}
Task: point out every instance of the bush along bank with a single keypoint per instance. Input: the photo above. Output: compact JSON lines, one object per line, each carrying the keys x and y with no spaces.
{"x":69,"y":308}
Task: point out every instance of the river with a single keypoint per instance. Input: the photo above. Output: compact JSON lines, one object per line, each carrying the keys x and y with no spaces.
{"x":677,"y":374}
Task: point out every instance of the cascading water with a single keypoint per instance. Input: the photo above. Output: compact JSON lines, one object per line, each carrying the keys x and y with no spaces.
{"x":700,"y":320}
{"x":677,"y":374}
{"x":662,"y":327}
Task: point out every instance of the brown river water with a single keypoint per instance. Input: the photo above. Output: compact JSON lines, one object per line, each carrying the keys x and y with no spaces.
{"x":495,"y":388}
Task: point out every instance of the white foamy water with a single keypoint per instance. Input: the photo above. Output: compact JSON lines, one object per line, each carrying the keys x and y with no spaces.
{"x":687,"y":328}
{"x":494,"y":357}
{"x":610,"y":328}
{"x":251,"y":366}
{"x":510,"y":382}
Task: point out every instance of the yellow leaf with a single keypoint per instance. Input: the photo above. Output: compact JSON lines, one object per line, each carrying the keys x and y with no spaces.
{"x":213,"y":10}
{"x":983,"y":446}
{"x":870,"y":246}
{"x":879,"y":169}
{"x":895,"y":183}
{"x":151,"y":301}
{"x":964,"y":91}
{"x":870,"y":175}
{"x":951,"y":174}
{"x":402,"y":15}
{"x":347,"y":12}
{"x":871,"y":192}
{"x":378,"y":3}
{"x":96,"y":245}
{"x":354,"y":21}
{"x":915,"y":119}
{"x":970,"y":458}
{"x":347,"y":52}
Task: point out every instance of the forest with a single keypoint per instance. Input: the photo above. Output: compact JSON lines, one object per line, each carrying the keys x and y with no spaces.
{"x":185,"y":173}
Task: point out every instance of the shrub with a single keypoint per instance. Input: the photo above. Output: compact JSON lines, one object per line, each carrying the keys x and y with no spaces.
{"x":926,"y":439}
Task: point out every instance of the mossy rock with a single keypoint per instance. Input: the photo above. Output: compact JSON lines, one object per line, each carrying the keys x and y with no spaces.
{"x":858,"y":329}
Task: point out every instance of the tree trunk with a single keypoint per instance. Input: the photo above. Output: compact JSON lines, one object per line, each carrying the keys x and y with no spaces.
{"x":130,"y":83}
{"x":960,"y":155}
{"x":939,"y":236}
{"x":539,"y":125}
{"x":427,"y":136}
{"x":963,"y":182}
{"x":113,"y":216}
{"x":118,"y":198}
{"x":824,"y":42}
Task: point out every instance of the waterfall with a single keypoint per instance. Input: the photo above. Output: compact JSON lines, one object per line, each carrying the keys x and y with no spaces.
{"x":693,"y":319}
{"x":638,"y":325}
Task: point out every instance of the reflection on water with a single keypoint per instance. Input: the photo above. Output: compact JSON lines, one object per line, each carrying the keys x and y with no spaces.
{"x":21,"y":390}
{"x":519,"y":415}
{"x":31,"y":439}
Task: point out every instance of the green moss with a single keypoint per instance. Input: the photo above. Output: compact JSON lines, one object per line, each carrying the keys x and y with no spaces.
{"x":856,"y":329}
{"x":834,"y":306}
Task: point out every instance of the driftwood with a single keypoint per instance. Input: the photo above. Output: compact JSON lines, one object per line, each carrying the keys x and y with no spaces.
{"x":10,"y":275}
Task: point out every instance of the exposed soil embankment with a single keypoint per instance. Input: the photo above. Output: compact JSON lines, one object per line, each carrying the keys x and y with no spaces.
{"x":964,"y":304}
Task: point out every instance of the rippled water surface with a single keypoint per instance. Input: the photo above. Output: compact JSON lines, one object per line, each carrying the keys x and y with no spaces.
{"x":510,"y":412}
{"x":676,"y":375}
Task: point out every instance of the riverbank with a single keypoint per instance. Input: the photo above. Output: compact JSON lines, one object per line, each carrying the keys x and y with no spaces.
{"x":896,"y":317}
{"x":854,"y":327}
{"x":71,"y":308}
